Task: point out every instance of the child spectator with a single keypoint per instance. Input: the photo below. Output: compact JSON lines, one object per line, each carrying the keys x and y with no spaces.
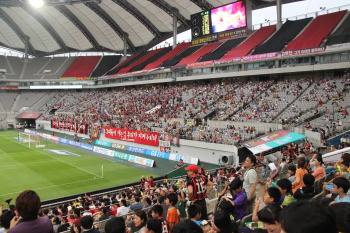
{"x":115,"y":225}
{"x":298,"y":183}
{"x":271,"y":195}
{"x":194,"y":213}
{"x":341,"y":187}
{"x":153,"y":226}
{"x":285,"y":187}
{"x":291,"y":171}
{"x":156,"y":212}
{"x":181,"y":204}
{"x":172,"y":216}
{"x":308,"y":191}
{"x":239,"y":200}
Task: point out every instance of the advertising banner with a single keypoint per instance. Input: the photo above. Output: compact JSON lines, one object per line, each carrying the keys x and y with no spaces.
{"x":260,"y":56}
{"x":199,"y":64}
{"x":303,"y":51}
{"x":70,"y":126}
{"x":137,"y":136}
{"x":272,"y":140}
{"x":164,"y":142}
{"x":29,"y":115}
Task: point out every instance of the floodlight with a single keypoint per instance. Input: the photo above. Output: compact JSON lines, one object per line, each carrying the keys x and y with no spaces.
{"x":36,"y":3}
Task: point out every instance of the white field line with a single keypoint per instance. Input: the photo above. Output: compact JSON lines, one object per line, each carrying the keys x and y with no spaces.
{"x":19,"y":164}
{"x":57,"y":185}
{"x":58,"y":159}
{"x":3,"y":152}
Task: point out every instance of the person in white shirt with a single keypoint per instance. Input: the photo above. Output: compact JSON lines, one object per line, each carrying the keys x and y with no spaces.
{"x":123,"y":209}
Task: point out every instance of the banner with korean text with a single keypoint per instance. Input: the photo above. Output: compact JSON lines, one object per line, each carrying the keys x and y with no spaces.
{"x":137,"y":136}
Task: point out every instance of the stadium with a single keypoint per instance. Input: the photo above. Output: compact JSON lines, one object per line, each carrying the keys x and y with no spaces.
{"x":98,"y":109}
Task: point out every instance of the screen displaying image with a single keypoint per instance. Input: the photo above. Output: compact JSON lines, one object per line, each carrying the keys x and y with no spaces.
{"x":228,"y":17}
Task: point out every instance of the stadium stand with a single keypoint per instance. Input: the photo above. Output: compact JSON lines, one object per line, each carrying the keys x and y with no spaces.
{"x":33,"y":67}
{"x":279,"y":39}
{"x":220,"y":51}
{"x":126,"y":62}
{"x":16,"y":64}
{"x":177,"y":50}
{"x":199,"y":53}
{"x":251,"y":42}
{"x":7,"y":99}
{"x":179,"y":57}
{"x":105,"y":64}
{"x":28,"y":99}
{"x":4,"y":64}
{"x":140,"y":61}
{"x":342,"y":34}
{"x":57,"y":66}
{"x":315,"y":33}
{"x":151,"y":59}
{"x":82,"y":66}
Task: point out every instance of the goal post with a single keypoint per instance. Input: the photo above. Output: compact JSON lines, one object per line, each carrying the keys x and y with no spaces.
{"x":31,"y":140}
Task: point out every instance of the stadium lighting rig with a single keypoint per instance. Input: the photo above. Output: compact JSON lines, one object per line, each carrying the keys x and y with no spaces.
{"x":40,"y":3}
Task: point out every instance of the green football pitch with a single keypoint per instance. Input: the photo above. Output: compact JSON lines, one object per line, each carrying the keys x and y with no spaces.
{"x":56,"y":175}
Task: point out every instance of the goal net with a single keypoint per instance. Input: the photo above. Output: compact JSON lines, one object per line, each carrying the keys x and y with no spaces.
{"x":31,"y":140}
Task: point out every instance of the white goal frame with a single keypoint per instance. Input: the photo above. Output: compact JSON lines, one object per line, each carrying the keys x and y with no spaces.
{"x":33,"y":140}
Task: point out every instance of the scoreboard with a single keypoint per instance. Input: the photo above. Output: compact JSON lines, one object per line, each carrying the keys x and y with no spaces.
{"x":220,"y":19}
{"x":200,"y":24}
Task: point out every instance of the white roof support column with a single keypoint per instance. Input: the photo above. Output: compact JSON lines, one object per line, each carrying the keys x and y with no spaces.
{"x":279,"y":14}
{"x":175,"y":12}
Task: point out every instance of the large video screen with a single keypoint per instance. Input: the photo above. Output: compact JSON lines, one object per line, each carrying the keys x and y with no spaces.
{"x":228,"y":17}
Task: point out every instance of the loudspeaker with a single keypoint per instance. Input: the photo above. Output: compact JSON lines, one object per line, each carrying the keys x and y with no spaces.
{"x":226,"y":159}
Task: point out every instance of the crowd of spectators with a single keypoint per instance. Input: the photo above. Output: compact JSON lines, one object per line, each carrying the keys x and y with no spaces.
{"x":287,"y":201}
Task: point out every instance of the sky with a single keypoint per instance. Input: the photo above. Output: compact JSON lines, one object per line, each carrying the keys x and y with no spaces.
{"x":269,"y":14}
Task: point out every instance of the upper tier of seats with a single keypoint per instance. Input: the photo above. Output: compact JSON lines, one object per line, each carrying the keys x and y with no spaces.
{"x":106,"y":63}
{"x":286,"y":33}
{"x":125,"y":63}
{"x":140,"y":61}
{"x":315,"y":33}
{"x":151,"y":59}
{"x":222,"y":49}
{"x":33,"y":69}
{"x":177,"y":50}
{"x":342,"y":34}
{"x":200,"y":53}
{"x":179,"y":57}
{"x":82,"y":66}
{"x":249,"y":44}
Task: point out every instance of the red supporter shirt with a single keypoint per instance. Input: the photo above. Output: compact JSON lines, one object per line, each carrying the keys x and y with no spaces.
{"x":199,"y":184}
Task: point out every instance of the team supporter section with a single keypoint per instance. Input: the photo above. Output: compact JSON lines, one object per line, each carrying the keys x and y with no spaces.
{"x":82,"y":66}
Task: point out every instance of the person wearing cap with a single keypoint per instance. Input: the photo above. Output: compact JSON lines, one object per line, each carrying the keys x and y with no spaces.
{"x":198,"y":188}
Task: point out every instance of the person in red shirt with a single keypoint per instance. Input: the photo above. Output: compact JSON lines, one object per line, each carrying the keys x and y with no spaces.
{"x":198,"y":187}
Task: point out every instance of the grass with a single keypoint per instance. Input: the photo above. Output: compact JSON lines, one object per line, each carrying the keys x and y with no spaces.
{"x":55,"y":175}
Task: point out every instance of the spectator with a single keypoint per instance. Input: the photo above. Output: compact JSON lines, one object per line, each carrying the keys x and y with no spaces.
{"x":194,"y":213}
{"x":239,"y":199}
{"x":123,"y":209}
{"x":319,"y":172}
{"x":153,"y":226}
{"x":298,"y":183}
{"x":181,"y":204}
{"x":156,"y":212}
{"x":87,"y":224}
{"x":104,"y":215}
{"x":342,"y":216}
{"x":77,"y":216}
{"x":115,"y":225}
{"x":341,"y":187}
{"x":56,"y":223}
{"x":222,"y":223}
{"x":291,"y":171}
{"x":172,"y":216}
{"x":310,"y":217}
{"x":308,"y":191}
{"x":187,"y":226}
{"x":180,"y":164}
{"x":197,"y":188}
{"x":27,"y":206}
{"x":249,"y":180}
{"x":285,"y":187}
{"x":5,"y":220}
{"x":271,"y":196}
{"x":136,"y":203}
{"x":138,"y":224}
{"x":270,"y":217}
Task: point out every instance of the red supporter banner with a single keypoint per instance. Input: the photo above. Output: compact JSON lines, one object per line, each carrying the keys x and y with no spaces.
{"x":54,"y":138}
{"x":70,"y":126}
{"x":29,"y":115}
{"x":137,"y":136}
{"x":303,"y":51}
{"x":198,"y":64}
{"x":9,"y":88}
{"x":260,"y":56}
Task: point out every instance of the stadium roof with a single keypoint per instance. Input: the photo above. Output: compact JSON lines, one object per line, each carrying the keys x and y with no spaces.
{"x":63,"y":26}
